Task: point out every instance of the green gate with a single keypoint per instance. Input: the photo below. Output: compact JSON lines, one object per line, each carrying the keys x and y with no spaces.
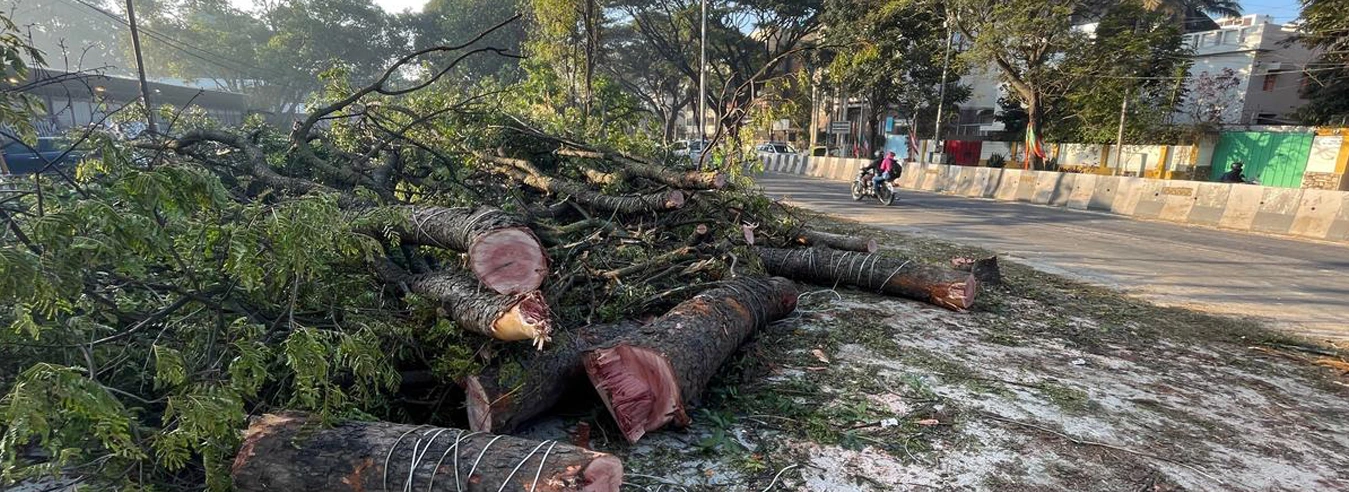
{"x":1276,"y":159}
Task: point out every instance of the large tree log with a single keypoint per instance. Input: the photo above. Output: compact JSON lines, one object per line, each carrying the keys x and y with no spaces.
{"x":502,"y":397}
{"x":836,"y":241}
{"x":502,"y":252}
{"x":526,"y":173}
{"x":944,"y":287}
{"x":649,"y":377}
{"x":281,"y":453}
{"x":504,"y":317}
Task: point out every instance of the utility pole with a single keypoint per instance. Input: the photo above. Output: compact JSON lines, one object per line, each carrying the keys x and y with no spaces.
{"x":702,"y":79}
{"x":1119,"y":137}
{"x":941,"y":98}
{"x":140,"y":67}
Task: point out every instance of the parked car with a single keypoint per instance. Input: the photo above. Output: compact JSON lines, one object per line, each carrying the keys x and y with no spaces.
{"x":25,"y":159}
{"x":822,"y":151}
{"x":774,"y":148}
{"x":689,"y":149}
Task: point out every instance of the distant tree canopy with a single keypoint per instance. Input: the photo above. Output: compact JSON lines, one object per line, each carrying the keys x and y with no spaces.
{"x":1326,"y":27}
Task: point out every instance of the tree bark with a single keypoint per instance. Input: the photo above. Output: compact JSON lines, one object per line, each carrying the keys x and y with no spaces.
{"x":284,"y":453}
{"x":503,"y":317}
{"x":648,"y":377}
{"x":836,"y":241}
{"x":502,"y":252}
{"x":943,"y":287}
{"x":526,"y":173}
{"x":502,"y":397}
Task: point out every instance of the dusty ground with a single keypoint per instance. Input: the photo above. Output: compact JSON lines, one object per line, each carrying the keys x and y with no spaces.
{"x":1047,"y":385}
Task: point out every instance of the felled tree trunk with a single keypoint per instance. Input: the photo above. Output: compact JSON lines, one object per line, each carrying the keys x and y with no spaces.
{"x":944,"y":287}
{"x":282,"y":453}
{"x":836,"y":241}
{"x":502,"y":252}
{"x":502,"y":397}
{"x":648,"y":377}
{"x":503,"y":317}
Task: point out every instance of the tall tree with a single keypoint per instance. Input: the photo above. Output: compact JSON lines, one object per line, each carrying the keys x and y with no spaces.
{"x":891,"y":54}
{"x":1326,"y":27}
{"x":446,"y":22}
{"x":74,"y":35}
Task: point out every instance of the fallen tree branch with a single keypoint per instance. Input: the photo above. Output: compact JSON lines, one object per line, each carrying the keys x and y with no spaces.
{"x":503,"y":317}
{"x":841,"y":242}
{"x":525,"y":172}
{"x":943,"y":287}
{"x":500,"y":400}
{"x":649,"y":377}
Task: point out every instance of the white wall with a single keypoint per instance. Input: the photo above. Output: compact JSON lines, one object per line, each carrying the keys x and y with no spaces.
{"x":1325,"y":149}
{"x":1079,"y":155}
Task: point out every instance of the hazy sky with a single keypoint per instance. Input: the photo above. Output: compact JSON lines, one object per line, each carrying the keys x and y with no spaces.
{"x":389,"y":5}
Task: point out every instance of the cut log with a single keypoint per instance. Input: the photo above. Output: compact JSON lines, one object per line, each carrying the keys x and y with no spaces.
{"x":282,"y":453}
{"x":502,"y":397}
{"x":945,"y":287}
{"x":985,"y":269}
{"x":503,"y":317}
{"x":502,"y":252}
{"x":649,"y":377}
{"x":836,"y":241}
{"x":634,"y":204}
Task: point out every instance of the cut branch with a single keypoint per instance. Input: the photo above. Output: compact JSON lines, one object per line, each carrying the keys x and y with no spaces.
{"x":649,"y":377}
{"x":499,"y":401}
{"x":503,"y":317}
{"x":943,"y":287}
{"x":502,"y":252}
{"x":836,"y":241}
{"x":287,"y":452}
{"x":632,"y":167}
{"x":650,"y":202}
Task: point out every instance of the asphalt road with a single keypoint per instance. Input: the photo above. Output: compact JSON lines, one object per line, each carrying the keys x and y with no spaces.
{"x":1301,"y":286}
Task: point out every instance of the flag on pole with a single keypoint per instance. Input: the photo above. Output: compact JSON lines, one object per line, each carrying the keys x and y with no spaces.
{"x":1034,"y":146}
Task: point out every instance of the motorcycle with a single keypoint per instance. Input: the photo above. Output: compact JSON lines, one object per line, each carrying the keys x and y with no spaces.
{"x":863,"y":187}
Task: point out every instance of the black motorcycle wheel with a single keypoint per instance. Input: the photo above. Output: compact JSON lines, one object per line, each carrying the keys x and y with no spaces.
{"x":857,"y":191}
{"x":886,"y":194}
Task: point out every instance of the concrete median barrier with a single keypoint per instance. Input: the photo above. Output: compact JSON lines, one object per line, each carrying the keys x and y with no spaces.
{"x":1317,"y":214}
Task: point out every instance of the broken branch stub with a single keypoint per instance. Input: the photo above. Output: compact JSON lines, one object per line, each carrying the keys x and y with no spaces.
{"x":648,"y":377}
{"x":945,"y":287}
{"x":290,"y":453}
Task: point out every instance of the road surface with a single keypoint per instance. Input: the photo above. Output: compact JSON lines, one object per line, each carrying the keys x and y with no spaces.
{"x":1296,"y":285}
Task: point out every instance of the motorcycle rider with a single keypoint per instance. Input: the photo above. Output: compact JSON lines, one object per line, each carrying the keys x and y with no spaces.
{"x":882,"y":168}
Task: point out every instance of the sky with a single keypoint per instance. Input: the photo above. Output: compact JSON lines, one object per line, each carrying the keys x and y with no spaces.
{"x":1282,"y":10}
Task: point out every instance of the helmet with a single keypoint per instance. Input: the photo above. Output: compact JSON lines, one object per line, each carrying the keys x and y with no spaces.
{"x":876,"y":154}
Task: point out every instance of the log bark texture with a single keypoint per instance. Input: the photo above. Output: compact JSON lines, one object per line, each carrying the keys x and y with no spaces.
{"x":649,"y":377}
{"x":502,"y":251}
{"x":502,"y":397}
{"x":836,"y":241}
{"x":945,"y":287}
{"x":504,"y":317}
{"x":282,"y":453}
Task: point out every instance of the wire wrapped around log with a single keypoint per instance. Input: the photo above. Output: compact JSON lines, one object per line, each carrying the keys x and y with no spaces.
{"x":895,"y":276}
{"x":290,"y":453}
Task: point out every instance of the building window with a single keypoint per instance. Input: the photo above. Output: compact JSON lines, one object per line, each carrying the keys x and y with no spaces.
{"x":1270,"y":81}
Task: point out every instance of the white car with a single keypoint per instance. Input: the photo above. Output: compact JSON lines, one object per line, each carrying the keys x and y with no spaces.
{"x":689,"y":149}
{"x":775,"y":148}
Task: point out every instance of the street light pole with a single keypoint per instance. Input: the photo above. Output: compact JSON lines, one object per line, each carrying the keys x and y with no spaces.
{"x":702,"y":77}
{"x":140,"y":67}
